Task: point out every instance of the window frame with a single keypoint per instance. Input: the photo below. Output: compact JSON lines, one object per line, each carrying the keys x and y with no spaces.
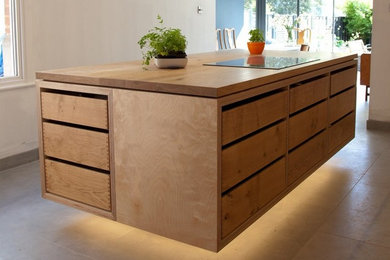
{"x":16,"y":27}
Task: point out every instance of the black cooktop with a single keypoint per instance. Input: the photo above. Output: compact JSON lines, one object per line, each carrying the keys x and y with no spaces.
{"x":263,"y":62}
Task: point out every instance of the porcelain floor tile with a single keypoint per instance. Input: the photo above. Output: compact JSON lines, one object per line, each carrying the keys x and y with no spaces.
{"x":339,"y":212}
{"x":325,"y":247}
{"x":360,"y":213}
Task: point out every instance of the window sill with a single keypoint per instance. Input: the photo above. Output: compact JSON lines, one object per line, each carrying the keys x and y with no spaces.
{"x":14,"y":83}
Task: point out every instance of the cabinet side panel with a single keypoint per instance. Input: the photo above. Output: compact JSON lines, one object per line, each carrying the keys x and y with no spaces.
{"x":166,"y":165}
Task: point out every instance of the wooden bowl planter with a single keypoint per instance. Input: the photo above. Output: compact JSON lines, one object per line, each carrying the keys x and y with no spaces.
{"x":256,"y":48}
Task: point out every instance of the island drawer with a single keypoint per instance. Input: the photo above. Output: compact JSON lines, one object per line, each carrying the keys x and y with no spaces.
{"x":77,"y":145}
{"x":250,"y":155}
{"x":75,"y":109}
{"x":341,"y":131}
{"x":78,"y":184}
{"x":247,"y":118}
{"x":306,"y":156}
{"x":246,"y":199}
{"x":308,"y":93}
{"x":342,"y":104}
{"x":342,"y":80}
{"x":307,"y":123}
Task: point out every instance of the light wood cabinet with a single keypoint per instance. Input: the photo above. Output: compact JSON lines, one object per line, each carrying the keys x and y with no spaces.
{"x":306,"y":124}
{"x":79,"y":184}
{"x":308,"y":92}
{"x":81,"y":110}
{"x":243,"y":119}
{"x":246,"y":199}
{"x":342,"y":104}
{"x":343,"y":79}
{"x":196,"y":154}
{"x":75,"y":147}
{"x":250,"y":155}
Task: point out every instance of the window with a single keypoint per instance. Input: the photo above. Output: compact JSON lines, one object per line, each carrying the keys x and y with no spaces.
{"x":10,"y":67}
{"x":288,"y":23}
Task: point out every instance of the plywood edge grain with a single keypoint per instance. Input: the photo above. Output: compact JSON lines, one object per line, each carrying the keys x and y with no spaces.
{"x":40,"y":139}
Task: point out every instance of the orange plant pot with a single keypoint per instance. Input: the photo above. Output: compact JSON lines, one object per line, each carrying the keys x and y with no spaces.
{"x":256,"y":47}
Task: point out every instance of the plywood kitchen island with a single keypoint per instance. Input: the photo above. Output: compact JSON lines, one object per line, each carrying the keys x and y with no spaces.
{"x":194,"y":154}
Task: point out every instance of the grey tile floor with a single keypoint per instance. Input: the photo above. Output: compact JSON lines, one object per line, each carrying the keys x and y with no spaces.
{"x":342,"y":211}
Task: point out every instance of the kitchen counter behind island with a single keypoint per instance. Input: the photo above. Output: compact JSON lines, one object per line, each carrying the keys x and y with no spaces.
{"x":195,"y":154}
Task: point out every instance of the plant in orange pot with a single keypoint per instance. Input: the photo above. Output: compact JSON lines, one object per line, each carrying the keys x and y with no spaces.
{"x":256,"y":41}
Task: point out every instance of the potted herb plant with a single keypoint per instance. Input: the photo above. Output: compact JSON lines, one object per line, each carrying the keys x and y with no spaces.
{"x":166,"y":45}
{"x":256,"y":42}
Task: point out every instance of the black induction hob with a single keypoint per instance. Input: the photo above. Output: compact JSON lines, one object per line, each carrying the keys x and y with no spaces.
{"x":263,"y":62}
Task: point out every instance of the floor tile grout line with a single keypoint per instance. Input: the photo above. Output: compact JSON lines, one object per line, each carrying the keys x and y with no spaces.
{"x":357,"y":240}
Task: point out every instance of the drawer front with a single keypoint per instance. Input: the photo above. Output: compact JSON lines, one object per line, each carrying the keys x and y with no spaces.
{"x":78,"y":184}
{"x":341,"y":131}
{"x":81,"y":146}
{"x":342,"y":104}
{"x":306,"y":156}
{"x":309,"y":93}
{"x":245,"y":200}
{"x":307,"y":123}
{"x":244,"y":119}
{"x":250,"y":155}
{"x":74,"y":109}
{"x":342,"y":80}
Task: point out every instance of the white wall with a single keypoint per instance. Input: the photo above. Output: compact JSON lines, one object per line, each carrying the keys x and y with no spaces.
{"x":60,"y":33}
{"x":380,"y":63}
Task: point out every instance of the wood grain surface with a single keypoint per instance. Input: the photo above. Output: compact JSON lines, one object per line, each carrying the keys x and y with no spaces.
{"x":77,"y":145}
{"x":309,"y":93}
{"x":74,"y":109}
{"x":342,"y":80}
{"x":195,"y":79}
{"x":341,"y":131}
{"x":305,"y":124}
{"x":247,"y":118}
{"x":342,"y":104}
{"x":86,"y":186}
{"x":245,"y":200}
{"x":166,"y":163}
{"x":306,"y":156}
{"x":250,"y":155}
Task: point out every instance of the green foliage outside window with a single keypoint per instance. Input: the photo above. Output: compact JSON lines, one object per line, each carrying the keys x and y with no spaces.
{"x":290,"y":6}
{"x":358,"y":20}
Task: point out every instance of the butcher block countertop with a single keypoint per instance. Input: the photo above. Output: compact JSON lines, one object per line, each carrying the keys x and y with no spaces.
{"x":195,"y":79}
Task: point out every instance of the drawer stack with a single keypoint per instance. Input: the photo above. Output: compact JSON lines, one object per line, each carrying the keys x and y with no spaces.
{"x":76,"y":150}
{"x":253,"y":156}
{"x":270,"y":142}
{"x":307,"y":125}
{"x":342,"y":105}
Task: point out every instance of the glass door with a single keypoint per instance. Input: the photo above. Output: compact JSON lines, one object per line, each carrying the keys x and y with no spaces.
{"x":295,"y":22}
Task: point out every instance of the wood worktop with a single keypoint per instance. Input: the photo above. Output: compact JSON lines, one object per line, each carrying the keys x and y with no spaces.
{"x":196,"y":79}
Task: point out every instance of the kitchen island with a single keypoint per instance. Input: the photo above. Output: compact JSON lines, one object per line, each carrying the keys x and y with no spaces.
{"x":194,"y":154}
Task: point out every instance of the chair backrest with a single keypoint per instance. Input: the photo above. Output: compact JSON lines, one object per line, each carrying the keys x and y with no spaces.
{"x":365,"y":67}
{"x":357,"y":46}
{"x":229,"y":38}
{"x":219,"y":39}
{"x":305,"y":47}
